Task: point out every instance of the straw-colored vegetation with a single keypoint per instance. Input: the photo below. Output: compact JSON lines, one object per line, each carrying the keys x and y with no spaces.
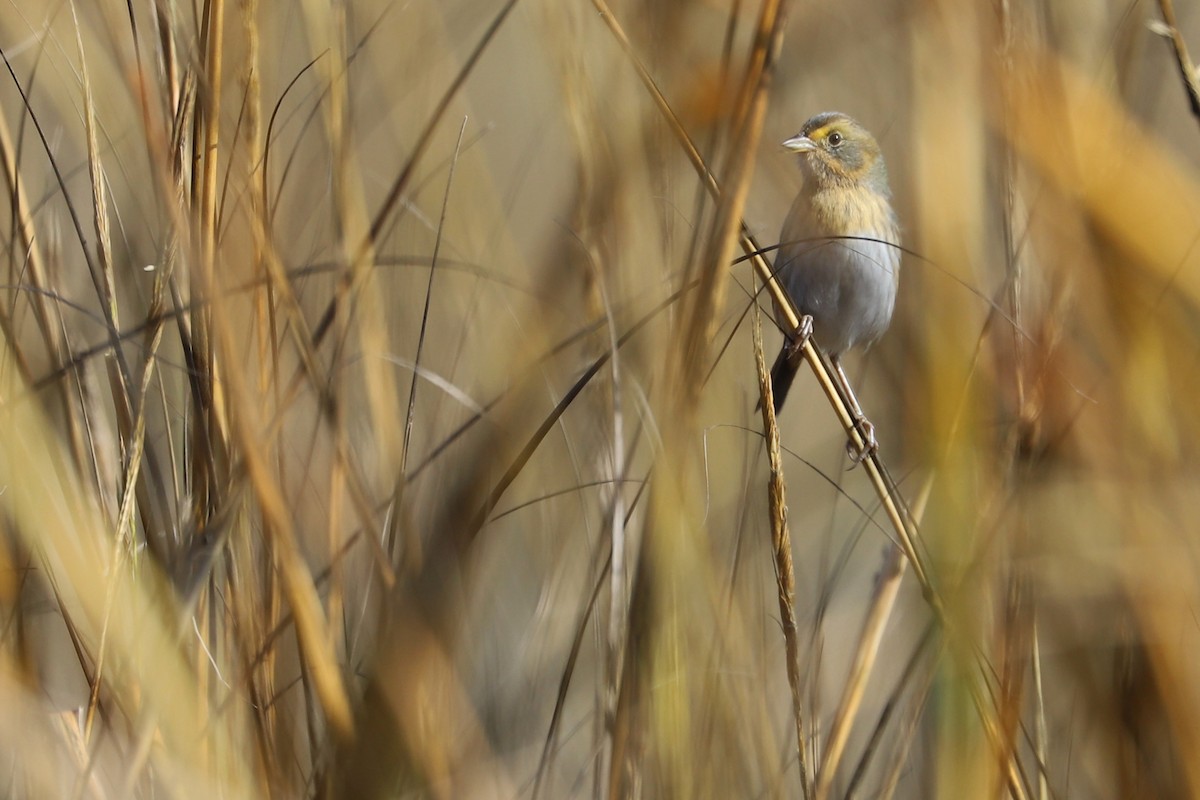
{"x":378,"y":384}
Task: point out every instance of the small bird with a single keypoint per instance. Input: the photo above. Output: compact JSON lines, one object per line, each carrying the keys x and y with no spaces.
{"x":839,"y":253}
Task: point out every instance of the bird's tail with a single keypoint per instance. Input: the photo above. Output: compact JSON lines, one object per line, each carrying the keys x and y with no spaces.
{"x":783,"y":373}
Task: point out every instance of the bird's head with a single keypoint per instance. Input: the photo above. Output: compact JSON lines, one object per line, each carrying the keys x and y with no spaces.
{"x":836,"y":150}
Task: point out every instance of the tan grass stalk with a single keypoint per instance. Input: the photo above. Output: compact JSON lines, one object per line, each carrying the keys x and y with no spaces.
{"x":108,"y":285}
{"x":1041,"y":735}
{"x":326,"y":25}
{"x":211,"y":424}
{"x":1187,"y":69}
{"x":908,"y":734}
{"x":311,"y":624}
{"x":884,"y":601}
{"x":781,"y":541}
{"x":33,"y":260}
{"x":210,"y":143}
{"x":124,"y":537}
{"x":887,"y":587}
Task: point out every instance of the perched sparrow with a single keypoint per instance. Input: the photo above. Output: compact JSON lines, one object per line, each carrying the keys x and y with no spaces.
{"x":839,"y":254}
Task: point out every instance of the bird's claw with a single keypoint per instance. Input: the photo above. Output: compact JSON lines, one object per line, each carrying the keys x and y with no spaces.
{"x":803,"y":332}
{"x":869,"y":446}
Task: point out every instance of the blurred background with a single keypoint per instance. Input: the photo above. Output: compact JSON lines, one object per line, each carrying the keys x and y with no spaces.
{"x":366,"y":433}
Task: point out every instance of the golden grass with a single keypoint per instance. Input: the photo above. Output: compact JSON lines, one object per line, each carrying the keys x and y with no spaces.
{"x":377,"y":408}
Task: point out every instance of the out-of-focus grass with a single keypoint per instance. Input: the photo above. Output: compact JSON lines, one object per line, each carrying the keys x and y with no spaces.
{"x":378,"y":406}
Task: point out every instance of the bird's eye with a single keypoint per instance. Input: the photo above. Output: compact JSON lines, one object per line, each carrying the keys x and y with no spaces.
{"x":835,"y":139}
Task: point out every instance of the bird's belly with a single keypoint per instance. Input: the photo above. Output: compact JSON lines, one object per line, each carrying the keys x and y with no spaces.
{"x":847,"y":286}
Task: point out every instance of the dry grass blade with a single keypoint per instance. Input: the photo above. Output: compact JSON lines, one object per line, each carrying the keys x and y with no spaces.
{"x":433,"y":264}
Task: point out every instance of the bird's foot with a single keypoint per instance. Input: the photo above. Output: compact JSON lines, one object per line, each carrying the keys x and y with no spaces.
{"x":870,"y":445}
{"x":799,"y":336}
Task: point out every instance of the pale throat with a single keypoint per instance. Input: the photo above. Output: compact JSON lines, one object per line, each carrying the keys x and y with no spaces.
{"x":855,"y":211}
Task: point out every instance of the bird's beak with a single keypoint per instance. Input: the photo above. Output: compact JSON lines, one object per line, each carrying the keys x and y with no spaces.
{"x":800,"y":144}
